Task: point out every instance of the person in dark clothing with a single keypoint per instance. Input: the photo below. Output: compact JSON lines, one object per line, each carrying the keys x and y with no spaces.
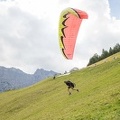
{"x":70,"y":85}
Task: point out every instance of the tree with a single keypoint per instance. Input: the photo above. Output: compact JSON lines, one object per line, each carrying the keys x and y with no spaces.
{"x":93,"y":59}
{"x":104,"y":54}
{"x":110,"y":51}
{"x":116,"y":48}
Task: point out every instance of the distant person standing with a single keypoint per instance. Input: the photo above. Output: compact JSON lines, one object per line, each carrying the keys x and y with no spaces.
{"x":70,"y":85}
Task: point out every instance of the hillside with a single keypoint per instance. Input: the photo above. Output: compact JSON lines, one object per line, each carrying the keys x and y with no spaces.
{"x":98,"y":99}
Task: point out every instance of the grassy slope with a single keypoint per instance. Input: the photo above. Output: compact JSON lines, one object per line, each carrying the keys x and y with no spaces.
{"x":98,"y":99}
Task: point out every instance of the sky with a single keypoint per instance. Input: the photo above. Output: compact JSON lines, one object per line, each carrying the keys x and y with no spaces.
{"x":29,"y":33}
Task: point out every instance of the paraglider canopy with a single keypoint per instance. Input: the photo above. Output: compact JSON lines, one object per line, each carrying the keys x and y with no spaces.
{"x":69,"y":23}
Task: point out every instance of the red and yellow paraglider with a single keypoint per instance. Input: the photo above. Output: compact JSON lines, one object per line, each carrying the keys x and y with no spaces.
{"x":69,"y":24}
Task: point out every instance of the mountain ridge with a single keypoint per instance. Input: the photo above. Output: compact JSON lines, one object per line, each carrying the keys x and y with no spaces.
{"x":14,"y":78}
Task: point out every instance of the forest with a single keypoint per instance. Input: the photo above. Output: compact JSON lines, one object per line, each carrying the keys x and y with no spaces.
{"x":95,"y":58}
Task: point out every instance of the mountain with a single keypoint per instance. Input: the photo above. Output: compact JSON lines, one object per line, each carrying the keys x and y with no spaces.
{"x":12,"y":78}
{"x":42,"y":74}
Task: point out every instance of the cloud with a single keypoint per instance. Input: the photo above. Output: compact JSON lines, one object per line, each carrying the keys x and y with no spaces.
{"x":3,"y":0}
{"x":26,"y":40}
{"x":29,"y":34}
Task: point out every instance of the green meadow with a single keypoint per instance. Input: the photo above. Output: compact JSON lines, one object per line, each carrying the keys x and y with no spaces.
{"x":98,"y":97}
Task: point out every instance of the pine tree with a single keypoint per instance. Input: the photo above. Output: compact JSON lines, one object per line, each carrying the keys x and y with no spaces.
{"x":116,"y":48}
